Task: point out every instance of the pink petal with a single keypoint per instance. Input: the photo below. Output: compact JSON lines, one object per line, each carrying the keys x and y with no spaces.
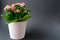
{"x":13,"y":8}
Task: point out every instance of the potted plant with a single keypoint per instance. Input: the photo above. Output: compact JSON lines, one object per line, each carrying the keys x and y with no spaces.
{"x":16,"y":18}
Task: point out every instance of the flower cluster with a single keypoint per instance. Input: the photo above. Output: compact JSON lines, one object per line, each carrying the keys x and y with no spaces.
{"x":16,"y":13}
{"x":13,"y":8}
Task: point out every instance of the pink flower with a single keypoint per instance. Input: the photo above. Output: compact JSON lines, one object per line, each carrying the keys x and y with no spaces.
{"x":7,"y":7}
{"x":21,"y":4}
{"x":17,"y":10}
{"x":13,"y":8}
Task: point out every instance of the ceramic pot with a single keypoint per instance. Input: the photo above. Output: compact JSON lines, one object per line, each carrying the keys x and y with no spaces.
{"x":17,"y":30}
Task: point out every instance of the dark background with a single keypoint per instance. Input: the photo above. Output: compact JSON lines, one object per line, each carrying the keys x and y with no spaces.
{"x":45,"y":21}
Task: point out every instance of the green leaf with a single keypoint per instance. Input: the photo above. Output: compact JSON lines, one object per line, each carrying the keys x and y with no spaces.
{"x":26,"y":17}
{"x":3,"y":16}
{"x":10,"y":21}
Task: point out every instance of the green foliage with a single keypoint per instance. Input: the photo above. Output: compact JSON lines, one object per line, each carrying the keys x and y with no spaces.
{"x":26,"y":17}
{"x":16,"y":17}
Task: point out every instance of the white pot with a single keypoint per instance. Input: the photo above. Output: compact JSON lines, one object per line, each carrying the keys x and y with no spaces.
{"x":17,"y":30}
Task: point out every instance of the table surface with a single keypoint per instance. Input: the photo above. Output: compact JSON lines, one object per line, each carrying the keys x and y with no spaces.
{"x":39,"y":36}
{"x":32,"y":35}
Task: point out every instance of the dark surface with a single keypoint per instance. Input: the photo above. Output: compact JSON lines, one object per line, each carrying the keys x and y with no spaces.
{"x":45,"y":21}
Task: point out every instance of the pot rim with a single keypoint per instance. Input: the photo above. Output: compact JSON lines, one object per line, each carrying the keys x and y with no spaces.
{"x":18,"y":22}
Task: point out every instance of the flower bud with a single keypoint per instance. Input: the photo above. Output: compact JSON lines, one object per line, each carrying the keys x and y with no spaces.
{"x":17,"y":10}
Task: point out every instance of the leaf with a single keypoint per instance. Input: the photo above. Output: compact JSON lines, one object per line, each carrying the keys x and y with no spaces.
{"x":3,"y":16}
{"x":10,"y":21}
{"x":26,"y":17}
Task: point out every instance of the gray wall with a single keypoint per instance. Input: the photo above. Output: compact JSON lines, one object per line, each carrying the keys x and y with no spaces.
{"x":45,"y":18}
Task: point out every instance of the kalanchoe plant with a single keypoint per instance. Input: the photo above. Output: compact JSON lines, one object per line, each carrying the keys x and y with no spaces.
{"x":16,"y":13}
